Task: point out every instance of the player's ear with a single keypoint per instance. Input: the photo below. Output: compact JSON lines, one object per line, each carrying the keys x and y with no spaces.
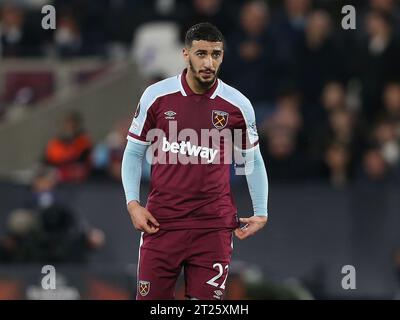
{"x":185,"y":53}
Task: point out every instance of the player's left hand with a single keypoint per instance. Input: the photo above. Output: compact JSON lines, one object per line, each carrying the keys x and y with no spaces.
{"x":252,"y":225}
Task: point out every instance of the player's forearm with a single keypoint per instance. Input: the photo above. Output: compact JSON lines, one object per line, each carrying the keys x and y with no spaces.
{"x":257,"y":180}
{"x":131,"y":170}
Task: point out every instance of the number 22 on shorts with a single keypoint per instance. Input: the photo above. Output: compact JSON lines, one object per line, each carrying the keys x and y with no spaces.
{"x":219,"y":275}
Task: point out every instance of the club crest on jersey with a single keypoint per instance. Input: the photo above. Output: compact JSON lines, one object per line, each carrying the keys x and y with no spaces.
{"x":144,"y":288}
{"x":219,"y":118}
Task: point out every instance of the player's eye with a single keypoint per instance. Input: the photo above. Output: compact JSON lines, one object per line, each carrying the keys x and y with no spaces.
{"x":216,"y":54}
{"x":200,"y":54}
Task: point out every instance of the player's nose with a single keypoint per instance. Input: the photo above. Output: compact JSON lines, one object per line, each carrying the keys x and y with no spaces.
{"x":208,"y":62}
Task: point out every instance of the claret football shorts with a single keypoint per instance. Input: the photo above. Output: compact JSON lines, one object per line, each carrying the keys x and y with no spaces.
{"x":204,"y":254}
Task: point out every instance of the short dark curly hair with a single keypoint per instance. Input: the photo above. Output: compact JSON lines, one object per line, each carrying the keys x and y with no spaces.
{"x":203,"y":31}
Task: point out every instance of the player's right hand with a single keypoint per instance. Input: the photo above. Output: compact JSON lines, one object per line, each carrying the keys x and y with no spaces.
{"x":142,"y":219}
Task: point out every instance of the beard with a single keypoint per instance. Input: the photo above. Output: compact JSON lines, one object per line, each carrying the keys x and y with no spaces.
{"x":203,"y":83}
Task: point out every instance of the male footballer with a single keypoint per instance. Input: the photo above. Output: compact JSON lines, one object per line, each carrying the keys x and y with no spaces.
{"x":192,"y":123}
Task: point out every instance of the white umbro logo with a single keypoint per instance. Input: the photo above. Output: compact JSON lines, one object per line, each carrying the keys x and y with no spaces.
{"x":170,"y":115}
{"x":218,"y":294}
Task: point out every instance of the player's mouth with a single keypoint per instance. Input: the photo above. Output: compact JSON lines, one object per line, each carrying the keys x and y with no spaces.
{"x":207,"y":73}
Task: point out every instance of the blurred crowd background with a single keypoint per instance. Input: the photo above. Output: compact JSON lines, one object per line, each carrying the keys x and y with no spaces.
{"x":327,"y":102}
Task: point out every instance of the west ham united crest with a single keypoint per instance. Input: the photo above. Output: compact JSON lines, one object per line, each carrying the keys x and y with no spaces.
{"x":144,"y":287}
{"x":219,"y":118}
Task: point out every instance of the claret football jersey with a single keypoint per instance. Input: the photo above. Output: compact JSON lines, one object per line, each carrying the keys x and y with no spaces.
{"x":192,"y":138}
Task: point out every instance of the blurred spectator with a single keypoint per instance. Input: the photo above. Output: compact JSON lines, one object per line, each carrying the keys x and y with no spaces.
{"x":67,"y":37}
{"x":213,"y":11}
{"x":250,"y":51}
{"x":287,"y":112}
{"x":85,"y":26}
{"x":316,"y":113}
{"x":377,"y":60}
{"x":391,"y":100}
{"x":337,"y":142}
{"x":47,"y":230}
{"x":288,"y":30}
{"x":296,"y":12}
{"x":344,"y":128}
{"x":384,"y":137}
{"x":107,"y":156}
{"x":342,"y":124}
{"x":284,"y":140}
{"x":116,"y":142}
{"x":50,"y":235}
{"x":61,"y":237}
{"x":14,"y":245}
{"x":389,"y":7}
{"x":17,"y":37}
{"x":384,"y":5}
{"x":337,"y":159}
{"x":43,"y":190}
{"x":375,"y":171}
{"x":318,"y":58}
{"x":70,"y":151}
{"x":285,"y":161}
{"x":333,"y":96}
{"x":12,"y":20}
{"x":332,"y":99}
